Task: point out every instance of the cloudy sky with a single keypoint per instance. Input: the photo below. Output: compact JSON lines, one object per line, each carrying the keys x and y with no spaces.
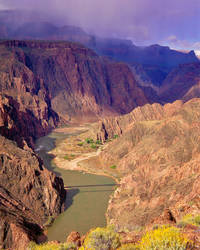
{"x":167,"y":22}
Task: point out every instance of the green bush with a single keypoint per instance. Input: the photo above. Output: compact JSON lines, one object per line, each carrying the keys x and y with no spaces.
{"x":66,"y":157}
{"x":98,"y":142}
{"x":163,"y":238}
{"x":69,"y":157}
{"x":197,"y":220}
{"x":89,"y":140}
{"x":115,"y":136}
{"x":93,"y":146}
{"x":101,"y":239}
{"x":190,"y":219}
{"x":80,"y":143}
{"x":113,"y":167}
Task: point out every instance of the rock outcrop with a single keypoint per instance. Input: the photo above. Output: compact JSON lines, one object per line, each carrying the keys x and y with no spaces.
{"x":25,"y":106}
{"x":151,"y":64}
{"x":109,"y":127}
{"x":182,"y":83}
{"x":74,"y":237}
{"x":157,"y":155}
{"x":66,"y":79}
{"x":29,"y":195}
{"x":42,"y":85}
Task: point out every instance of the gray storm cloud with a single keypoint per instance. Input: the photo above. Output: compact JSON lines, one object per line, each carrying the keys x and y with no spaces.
{"x":144,"y":21}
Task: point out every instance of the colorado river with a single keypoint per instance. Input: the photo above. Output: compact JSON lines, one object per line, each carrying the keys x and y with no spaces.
{"x":86,"y":206}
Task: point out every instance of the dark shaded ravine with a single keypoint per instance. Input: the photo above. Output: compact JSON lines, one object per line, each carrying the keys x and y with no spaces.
{"x":87,"y":198}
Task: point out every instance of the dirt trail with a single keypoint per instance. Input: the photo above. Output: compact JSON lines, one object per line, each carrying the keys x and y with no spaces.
{"x":60,"y":150}
{"x":74,"y":164}
{"x":76,"y":153}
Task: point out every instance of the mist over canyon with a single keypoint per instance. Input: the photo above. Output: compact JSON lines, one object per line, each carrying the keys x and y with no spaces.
{"x":141,"y":104}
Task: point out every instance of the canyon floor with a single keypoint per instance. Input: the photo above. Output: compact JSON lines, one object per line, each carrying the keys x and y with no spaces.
{"x":80,"y":151}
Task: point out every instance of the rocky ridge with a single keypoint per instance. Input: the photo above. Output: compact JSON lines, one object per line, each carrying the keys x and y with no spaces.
{"x":29,"y":195}
{"x":62,"y":81}
{"x":157,"y":156}
{"x":42,"y":85}
{"x":151,"y":63}
{"x":181,"y":83}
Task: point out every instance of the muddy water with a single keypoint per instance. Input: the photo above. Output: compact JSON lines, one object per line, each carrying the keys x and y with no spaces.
{"x":87,"y":198}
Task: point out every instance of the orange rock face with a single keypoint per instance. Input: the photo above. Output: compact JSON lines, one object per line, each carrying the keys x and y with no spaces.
{"x":74,"y":237}
{"x":157,"y":155}
{"x":68,"y":79}
{"x":42,"y":85}
{"x":29,"y":194}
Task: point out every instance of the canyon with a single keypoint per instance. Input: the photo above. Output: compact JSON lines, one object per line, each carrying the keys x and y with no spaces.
{"x":44,"y":85}
{"x":156,"y":154}
{"x":66,"y":81}
{"x":144,"y":113}
{"x":151,"y":64}
{"x":29,"y":195}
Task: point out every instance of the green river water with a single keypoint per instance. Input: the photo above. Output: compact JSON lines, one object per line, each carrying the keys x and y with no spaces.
{"x":86,"y":206}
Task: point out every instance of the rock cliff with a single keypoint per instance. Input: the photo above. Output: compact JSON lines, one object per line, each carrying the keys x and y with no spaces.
{"x":183,"y":83}
{"x":29,"y":195}
{"x":157,"y":156}
{"x":25,"y":107}
{"x":66,"y":79}
{"x":42,"y":85}
{"x":150,"y":64}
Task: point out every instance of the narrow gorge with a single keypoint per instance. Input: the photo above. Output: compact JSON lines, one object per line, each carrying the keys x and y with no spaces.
{"x":85,"y":142}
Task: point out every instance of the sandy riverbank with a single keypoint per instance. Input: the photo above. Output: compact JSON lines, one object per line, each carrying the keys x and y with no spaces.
{"x":74,"y":153}
{"x":89,"y":194}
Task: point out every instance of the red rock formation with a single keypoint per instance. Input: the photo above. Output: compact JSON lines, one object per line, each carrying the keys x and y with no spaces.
{"x":182,"y":83}
{"x":72,"y":80}
{"x":18,"y":223}
{"x":109,"y":127}
{"x":158,"y":157}
{"x":44,"y":84}
{"x":74,"y":237}
{"x":29,"y":194}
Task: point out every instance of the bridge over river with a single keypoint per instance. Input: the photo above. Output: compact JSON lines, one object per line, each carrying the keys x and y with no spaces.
{"x":87,"y":194}
{"x":86,"y":186}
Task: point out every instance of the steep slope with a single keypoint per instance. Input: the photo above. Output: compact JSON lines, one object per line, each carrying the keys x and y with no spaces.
{"x":118,"y":125}
{"x":157,"y":61}
{"x":25,"y":107}
{"x":154,"y":55}
{"x":24,"y":117}
{"x":29,"y":195}
{"x":71,"y":80}
{"x":157,"y":155}
{"x":154,"y":62}
{"x":182,"y":83}
{"x":42,"y":85}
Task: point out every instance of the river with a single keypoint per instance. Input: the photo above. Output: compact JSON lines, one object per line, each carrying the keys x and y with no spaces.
{"x":86,"y":206}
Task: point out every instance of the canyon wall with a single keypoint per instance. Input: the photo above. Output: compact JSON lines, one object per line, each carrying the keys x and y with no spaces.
{"x":44,"y":84}
{"x":29,"y":195}
{"x":157,"y":157}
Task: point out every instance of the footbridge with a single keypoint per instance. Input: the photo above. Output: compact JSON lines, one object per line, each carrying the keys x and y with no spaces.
{"x":86,"y":186}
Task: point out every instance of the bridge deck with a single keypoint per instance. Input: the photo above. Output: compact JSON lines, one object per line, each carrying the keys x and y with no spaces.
{"x":98,"y":185}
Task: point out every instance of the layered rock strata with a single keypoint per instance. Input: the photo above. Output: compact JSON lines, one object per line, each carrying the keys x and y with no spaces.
{"x":157,"y":155}
{"x":29,"y":195}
